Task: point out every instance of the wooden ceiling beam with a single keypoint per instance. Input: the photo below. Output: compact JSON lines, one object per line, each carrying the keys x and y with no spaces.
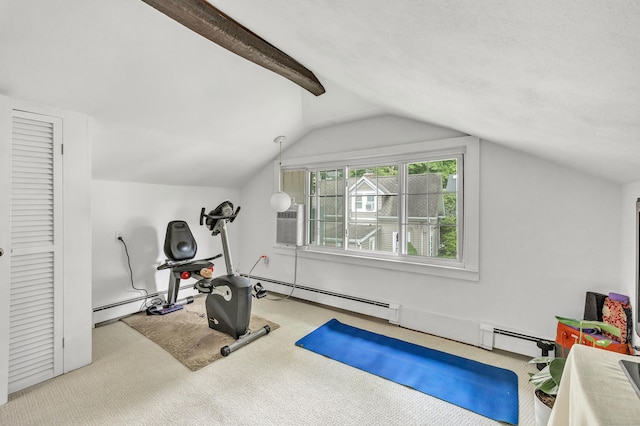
{"x":206,"y":20}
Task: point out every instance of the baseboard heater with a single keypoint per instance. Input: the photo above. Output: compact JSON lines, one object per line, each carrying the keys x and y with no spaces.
{"x":515,"y":342}
{"x":136,"y":299}
{"x":517,"y":335}
{"x":301,"y":287}
{"x":315,"y":290}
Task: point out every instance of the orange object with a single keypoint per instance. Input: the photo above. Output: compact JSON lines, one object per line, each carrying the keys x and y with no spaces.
{"x":567,"y":336}
{"x":206,"y":272}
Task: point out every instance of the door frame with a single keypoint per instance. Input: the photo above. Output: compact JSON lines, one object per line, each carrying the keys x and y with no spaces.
{"x":5,"y":235}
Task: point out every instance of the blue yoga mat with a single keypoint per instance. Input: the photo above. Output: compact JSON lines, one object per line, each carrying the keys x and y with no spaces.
{"x":481,"y":388}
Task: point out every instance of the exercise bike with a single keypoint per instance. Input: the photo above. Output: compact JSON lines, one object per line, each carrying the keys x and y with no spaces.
{"x":180,"y":248}
{"x":229,"y":297}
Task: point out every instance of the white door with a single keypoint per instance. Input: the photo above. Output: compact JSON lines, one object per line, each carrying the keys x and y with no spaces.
{"x":35,"y":253}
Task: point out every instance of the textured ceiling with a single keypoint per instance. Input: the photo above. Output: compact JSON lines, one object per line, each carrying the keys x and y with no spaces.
{"x":557,"y":79}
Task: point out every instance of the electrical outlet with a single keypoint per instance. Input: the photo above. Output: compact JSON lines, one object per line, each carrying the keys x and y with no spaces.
{"x":265,"y":259}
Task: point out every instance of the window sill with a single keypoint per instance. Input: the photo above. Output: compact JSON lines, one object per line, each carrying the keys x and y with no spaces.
{"x":446,"y":271}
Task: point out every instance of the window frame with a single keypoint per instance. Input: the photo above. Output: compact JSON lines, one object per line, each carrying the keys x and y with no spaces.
{"x":403,"y":220}
{"x":467,"y":147}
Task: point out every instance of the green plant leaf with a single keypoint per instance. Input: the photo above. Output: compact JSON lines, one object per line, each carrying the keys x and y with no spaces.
{"x":582,"y":324}
{"x":539,"y":381}
{"x":602,"y":343}
{"x":548,"y":379}
{"x":569,"y":321}
{"x":542,"y":360}
{"x":540,"y":377}
{"x":549,"y":388}
{"x":556,"y":367}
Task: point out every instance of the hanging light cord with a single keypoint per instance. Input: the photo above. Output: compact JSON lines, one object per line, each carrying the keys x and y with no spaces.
{"x":280,"y":167}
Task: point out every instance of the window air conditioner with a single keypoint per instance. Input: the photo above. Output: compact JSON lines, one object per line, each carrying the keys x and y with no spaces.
{"x":290,"y":226}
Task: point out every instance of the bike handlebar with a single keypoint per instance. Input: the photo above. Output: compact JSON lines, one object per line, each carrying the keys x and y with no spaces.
{"x":231,"y":217}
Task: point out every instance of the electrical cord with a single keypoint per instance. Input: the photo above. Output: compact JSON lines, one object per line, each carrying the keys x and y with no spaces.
{"x":295,"y":276}
{"x":146,"y":293}
{"x":254,"y":266}
{"x":156,"y":301}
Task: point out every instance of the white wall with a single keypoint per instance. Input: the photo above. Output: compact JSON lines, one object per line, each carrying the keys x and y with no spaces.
{"x":547,"y":235}
{"x":140,"y":213}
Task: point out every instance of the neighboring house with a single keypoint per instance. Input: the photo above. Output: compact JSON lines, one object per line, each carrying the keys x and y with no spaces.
{"x":372,"y":217}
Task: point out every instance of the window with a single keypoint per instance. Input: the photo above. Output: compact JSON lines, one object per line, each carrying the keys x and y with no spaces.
{"x":406,"y":208}
{"x":415,"y":205}
{"x":364,"y":203}
{"x":326,"y":207}
{"x":432,"y":209}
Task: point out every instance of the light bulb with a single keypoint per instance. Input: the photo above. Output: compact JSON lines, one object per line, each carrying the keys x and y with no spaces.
{"x":280,"y":201}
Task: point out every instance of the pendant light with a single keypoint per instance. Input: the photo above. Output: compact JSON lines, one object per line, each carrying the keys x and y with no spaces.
{"x":280,"y":201}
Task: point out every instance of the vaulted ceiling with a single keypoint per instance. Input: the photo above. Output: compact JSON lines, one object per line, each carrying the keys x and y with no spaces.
{"x":557,"y":79}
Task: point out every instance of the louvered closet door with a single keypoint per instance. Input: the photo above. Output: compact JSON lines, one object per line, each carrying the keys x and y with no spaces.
{"x":35,"y":340}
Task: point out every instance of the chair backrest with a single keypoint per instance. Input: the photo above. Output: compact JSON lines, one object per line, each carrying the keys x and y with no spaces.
{"x":179,"y":243}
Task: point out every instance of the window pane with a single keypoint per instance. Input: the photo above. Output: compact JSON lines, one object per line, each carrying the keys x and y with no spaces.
{"x":312,"y":183}
{"x":388,"y":222}
{"x":313,"y":233}
{"x":357,"y":181}
{"x":327,"y":208}
{"x":293,"y":185}
{"x":331,"y":234}
{"x":362,"y":236}
{"x":450,"y":207}
{"x":444,"y":168}
{"x":431,"y":209}
{"x":373,"y":208}
{"x":313,"y":208}
{"x":448,"y":242}
{"x":421,"y":239}
{"x":369,"y":203}
{"x":387,"y":237}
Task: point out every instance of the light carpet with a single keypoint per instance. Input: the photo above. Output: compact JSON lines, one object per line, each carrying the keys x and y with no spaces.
{"x":133,"y":381}
{"x":186,"y":335}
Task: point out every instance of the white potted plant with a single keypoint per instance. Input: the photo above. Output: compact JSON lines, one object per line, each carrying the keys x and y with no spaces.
{"x":547,"y":383}
{"x":547,"y":380}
